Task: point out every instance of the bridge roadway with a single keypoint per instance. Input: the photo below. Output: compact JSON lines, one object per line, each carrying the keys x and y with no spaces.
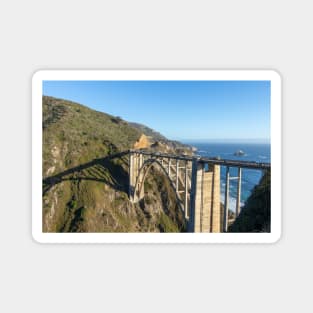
{"x":217,"y":161}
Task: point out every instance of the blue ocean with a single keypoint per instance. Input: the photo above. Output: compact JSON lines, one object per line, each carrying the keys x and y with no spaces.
{"x":250,"y":178}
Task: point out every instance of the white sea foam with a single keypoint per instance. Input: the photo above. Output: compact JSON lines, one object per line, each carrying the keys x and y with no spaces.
{"x":232,"y":202}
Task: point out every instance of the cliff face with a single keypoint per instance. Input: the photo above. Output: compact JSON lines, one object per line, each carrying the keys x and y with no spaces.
{"x":255,"y":216}
{"x":150,"y":133}
{"x":83,"y":189}
{"x":156,"y":142}
{"x":142,"y":143}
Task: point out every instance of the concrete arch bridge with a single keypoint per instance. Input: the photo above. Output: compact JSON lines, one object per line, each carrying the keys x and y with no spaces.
{"x":196,"y":182}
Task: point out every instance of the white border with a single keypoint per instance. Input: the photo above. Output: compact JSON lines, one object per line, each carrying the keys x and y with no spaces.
{"x":270,"y":75}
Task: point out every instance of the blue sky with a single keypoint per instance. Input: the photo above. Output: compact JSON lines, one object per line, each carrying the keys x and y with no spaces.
{"x":181,"y":110}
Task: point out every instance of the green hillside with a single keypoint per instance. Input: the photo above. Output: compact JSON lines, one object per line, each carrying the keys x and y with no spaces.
{"x":76,"y":134}
{"x":83,"y":189}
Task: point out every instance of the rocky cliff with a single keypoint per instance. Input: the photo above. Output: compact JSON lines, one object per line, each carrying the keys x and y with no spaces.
{"x":255,"y":216}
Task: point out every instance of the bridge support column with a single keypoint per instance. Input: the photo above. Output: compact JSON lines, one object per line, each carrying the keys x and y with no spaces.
{"x":177,"y":175}
{"x":169,"y":168}
{"x":205,"y":213}
{"x":132,"y":181}
{"x":226,"y":202}
{"x":186,"y":191}
{"x":238,"y":192}
{"x":135,"y":176}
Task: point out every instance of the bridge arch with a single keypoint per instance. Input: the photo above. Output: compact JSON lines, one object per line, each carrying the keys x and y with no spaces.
{"x":141,"y":177}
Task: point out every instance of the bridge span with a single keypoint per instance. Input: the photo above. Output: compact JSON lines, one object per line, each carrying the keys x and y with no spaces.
{"x":196,"y":181}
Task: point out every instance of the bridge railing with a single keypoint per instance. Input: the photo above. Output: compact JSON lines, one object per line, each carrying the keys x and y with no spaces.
{"x":217,"y":161}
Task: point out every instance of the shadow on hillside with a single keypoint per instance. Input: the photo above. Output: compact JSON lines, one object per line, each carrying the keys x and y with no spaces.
{"x":101,"y":170}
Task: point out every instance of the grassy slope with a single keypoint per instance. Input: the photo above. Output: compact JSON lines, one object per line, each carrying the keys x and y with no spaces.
{"x":81,"y":134}
{"x":85,"y":192}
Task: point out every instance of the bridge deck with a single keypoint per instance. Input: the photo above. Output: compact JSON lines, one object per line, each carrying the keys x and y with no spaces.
{"x":223,"y":162}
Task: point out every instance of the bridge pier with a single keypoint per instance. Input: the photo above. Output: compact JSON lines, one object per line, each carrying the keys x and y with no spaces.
{"x":238,"y":192}
{"x":205,"y":211}
{"x":186,"y":191}
{"x":135,"y":176}
{"x":177,"y":175}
